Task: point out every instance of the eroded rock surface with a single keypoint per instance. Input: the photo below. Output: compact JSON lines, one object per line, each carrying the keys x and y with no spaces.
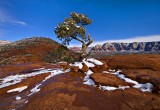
{"x":67,"y":91}
{"x":145,"y":75}
{"x":108,"y":80}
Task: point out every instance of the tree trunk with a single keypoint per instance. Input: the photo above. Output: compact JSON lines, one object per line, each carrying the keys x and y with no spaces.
{"x":83,"y":54}
{"x":84,"y":48}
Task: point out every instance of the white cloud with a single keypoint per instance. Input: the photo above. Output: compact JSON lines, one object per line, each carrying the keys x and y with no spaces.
{"x":18,"y":22}
{"x":4,"y":18}
{"x":129,"y":40}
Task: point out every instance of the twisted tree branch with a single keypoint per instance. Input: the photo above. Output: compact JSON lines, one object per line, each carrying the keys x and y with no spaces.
{"x":89,"y":40}
{"x":78,"y":39}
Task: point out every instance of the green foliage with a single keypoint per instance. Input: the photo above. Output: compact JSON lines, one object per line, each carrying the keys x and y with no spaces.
{"x":61,"y":53}
{"x":80,"y":18}
{"x":73,"y":28}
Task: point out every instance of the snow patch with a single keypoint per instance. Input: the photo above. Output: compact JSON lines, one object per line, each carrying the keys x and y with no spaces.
{"x":121,"y":76}
{"x":20,"y":89}
{"x":123,"y":87}
{"x":67,"y":70}
{"x":109,"y":88}
{"x":53,"y":73}
{"x":18,"y":98}
{"x":5,"y":84}
{"x":89,"y":72}
{"x":105,"y":72}
{"x":37,"y":88}
{"x":26,"y":101}
{"x":78,"y":64}
{"x":14,"y":79}
{"x":89,"y":64}
{"x":147,"y":87}
{"x":111,"y":70}
{"x":97,"y":62}
{"x":88,"y":80}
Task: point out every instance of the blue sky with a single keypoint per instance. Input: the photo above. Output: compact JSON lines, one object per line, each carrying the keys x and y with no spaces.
{"x":113,"y":20}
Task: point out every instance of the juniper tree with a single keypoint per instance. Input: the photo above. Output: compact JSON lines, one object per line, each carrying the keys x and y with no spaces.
{"x":73,"y":28}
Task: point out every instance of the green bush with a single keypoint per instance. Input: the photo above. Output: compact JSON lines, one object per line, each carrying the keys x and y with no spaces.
{"x":61,"y":53}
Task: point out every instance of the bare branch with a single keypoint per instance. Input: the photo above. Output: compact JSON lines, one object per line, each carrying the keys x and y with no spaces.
{"x":77,"y":39}
{"x":89,"y":40}
{"x":89,"y":37}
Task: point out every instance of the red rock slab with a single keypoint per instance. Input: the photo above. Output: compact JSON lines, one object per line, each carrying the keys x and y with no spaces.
{"x":74,"y":69}
{"x":134,"y":61}
{"x":105,"y":79}
{"x":144,"y":76}
{"x":100,"y":68}
{"x":66,"y":92}
{"x":8,"y":98}
{"x":16,"y":69}
{"x":24,"y":68}
{"x":64,"y":66}
{"x":84,"y":68}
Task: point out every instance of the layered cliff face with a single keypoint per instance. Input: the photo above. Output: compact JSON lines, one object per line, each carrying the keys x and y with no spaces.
{"x":135,"y":46}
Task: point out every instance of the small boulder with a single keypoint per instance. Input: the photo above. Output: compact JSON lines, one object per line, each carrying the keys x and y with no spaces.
{"x":84,"y":68}
{"x":100,"y":68}
{"x":64,"y":66}
{"x":104,"y":66}
{"x":74,"y":69}
{"x":108,"y":80}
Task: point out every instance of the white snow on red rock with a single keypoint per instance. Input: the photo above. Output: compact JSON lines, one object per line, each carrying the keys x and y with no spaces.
{"x":110,"y":88}
{"x":14,"y":79}
{"x":78,"y":64}
{"x":97,"y":62}
{"x":18,"y":98}
{"x":20,"y":89}
{"x":89,"y":64}
{"x":147,"y":87}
